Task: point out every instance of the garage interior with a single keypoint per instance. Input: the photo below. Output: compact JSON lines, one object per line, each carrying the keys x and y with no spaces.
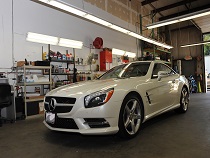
{"x":167,"y":135}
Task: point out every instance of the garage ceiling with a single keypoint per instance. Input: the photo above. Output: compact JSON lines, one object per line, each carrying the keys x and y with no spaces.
{"x":166,"y":9}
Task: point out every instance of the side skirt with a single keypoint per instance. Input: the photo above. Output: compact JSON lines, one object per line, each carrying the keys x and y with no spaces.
{"x":147,"y":117}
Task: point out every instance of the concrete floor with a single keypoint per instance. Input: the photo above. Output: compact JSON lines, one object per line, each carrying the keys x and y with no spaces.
{"x":170,"y":135}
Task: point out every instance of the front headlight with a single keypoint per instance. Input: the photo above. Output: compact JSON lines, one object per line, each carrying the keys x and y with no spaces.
{"x":98,"y":98}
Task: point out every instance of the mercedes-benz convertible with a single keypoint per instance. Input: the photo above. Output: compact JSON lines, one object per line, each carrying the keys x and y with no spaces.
{"x":119,"y":101}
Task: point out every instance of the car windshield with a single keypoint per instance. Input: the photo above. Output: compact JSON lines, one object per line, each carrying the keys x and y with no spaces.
{"x":133,"y":70}
{"x":136,"y":69}
{"x":113,"y":73}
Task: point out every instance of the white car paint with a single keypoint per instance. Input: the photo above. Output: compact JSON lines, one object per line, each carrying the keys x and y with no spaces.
{"x":158,"y":96}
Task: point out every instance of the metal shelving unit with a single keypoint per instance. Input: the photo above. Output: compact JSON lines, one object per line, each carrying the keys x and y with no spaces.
{"x":24,"y":84}
{"x":63,"y":61}
{"x":33,"y":83}
{"x":62,"y":74}
{"x":73,"y":73}
{"x":159,"y":51}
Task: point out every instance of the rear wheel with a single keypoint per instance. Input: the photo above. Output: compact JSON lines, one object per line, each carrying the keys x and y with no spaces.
{"x":184,"y":101}
{"x":130,"y":117}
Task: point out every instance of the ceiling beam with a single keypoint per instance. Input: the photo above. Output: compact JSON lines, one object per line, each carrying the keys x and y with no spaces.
{"x":184,"y":12}
{"x":192,"y":21}
{"x":172,"y":6}
{"x":196,"y":25}
{"x":154,"y":9}
{"x":145,"y":2}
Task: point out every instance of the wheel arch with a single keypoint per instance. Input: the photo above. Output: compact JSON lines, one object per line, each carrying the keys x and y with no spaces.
{"x":140,"y":99}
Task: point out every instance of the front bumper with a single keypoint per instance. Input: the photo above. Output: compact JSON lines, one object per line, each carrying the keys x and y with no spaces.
{"x":95,"y":131}
{"x":100,"y":120}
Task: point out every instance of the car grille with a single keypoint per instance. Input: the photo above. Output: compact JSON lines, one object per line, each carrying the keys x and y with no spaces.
{"x":58,"y":109}
{"x":62,"y":100}
{"x":66,"y":123}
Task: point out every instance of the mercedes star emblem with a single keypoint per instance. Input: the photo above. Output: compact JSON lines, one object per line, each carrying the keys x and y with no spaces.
{"x":52,"y":104}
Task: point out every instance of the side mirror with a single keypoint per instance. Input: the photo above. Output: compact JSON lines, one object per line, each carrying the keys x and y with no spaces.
{"x":162,"y":74}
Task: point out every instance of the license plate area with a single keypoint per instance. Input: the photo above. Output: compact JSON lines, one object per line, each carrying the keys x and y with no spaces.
{"x":50,"y":117}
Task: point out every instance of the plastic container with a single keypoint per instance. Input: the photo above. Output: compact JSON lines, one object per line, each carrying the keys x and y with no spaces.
{"x":44,"y":56}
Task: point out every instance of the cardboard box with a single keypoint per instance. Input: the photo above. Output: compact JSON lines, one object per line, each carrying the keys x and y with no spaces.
{"x":20,"y":63}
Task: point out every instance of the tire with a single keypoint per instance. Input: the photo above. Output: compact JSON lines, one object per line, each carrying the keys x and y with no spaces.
{"x":130,"y":117}
{"x":190,"y":88}
{"x":184,"y":101}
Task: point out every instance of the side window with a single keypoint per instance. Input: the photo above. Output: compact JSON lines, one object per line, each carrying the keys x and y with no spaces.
{"x":168,"y":69}
{"x":155,"y":71}
{"x":160,"y":67}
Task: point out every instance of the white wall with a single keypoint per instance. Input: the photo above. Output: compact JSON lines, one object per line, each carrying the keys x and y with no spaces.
{"x":5,"y":34}
{"x":207,"y":65}
{"x":34,"y":17}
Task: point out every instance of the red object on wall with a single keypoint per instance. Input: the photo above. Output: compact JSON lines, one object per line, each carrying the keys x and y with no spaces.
{"x":125,"y":59}
{"x":105,"y":59}
{"x":98,"y":43}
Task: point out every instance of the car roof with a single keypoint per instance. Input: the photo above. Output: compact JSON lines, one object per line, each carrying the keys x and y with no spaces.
{"x":148,"y":61}
{"x":145,"y":61}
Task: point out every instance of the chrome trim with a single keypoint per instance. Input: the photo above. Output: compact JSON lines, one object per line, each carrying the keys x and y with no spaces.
{"x":59,"y":104}
{"x":96,"y":123}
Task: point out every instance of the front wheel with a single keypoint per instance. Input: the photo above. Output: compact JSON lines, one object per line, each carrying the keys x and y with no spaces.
{"x":184,"y":101}
{"x":130,"y":118}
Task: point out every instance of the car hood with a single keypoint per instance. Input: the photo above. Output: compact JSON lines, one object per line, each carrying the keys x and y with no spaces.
{"x":83,"y":88}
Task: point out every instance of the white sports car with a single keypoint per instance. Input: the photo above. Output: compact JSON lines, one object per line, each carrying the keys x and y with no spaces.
{"x":119,"y":101}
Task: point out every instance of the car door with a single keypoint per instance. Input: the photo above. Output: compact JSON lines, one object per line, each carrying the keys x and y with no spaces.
{"x":160,"y":92}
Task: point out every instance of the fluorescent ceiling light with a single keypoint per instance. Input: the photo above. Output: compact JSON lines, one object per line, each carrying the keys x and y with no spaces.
{"x":67,"y":8}
{"x":123,"y":52}
{"x":195,"y":44}
{"x":45,"y":39}
{"x":180,"y":18}
{"x":73,"y":10}
{"x":40,"y":38}
{"x":120,"y":29}
{"x":136,"y":35}
{"x":70,"y":43}
{"x":149,"y":40}
{"x":97,"y":20}
{"x":162,"y":24}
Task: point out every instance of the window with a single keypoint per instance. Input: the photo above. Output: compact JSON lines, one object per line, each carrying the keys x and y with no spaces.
{"x":113,"y":73}
{"x":161,"y":67}
{"x":136,"y":69}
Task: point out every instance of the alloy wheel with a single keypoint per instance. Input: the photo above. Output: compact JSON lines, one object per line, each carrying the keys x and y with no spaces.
{"x":132,"y":116}
{"x":185,"y":99}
